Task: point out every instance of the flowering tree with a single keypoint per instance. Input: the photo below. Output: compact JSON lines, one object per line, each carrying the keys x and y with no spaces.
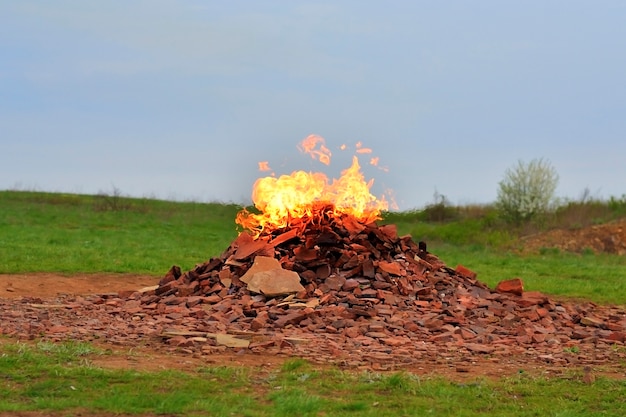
{"x":527,"y":190}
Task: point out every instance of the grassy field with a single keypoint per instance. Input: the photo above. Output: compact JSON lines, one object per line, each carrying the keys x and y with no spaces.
{"x":59,"y":377}
{"x":73,"y":234}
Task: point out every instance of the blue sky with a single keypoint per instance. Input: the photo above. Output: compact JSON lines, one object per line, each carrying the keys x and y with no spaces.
{"x":181,"y":99}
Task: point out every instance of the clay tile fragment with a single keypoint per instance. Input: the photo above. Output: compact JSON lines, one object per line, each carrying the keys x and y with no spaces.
{"x":275,"y":282}
{"x":467,"y":273}
{"x":479,"y":348}
{"x":368,"y":269}
{"x":291,"y":318}
{"x":592,"y":322}
{"x":512,"y":286}
{"x":304,"y":254}
{"x":388,"y":232}
{"x":284,"y":237}
{"x":322,"y":271}
{"x":248,"y":247}
{"x":261,"y":263}
{"x":173,"y":274}
{"x":391,"y":268}
{"x":335,"y":282}
{"x":531,"y":298}
{"x":352,"y":225}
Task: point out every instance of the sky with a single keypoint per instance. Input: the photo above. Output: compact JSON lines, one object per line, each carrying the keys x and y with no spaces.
{"x":181,"y":100}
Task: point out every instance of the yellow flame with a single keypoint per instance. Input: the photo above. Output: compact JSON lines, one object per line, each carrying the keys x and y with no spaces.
{"x":351,"y":194}
{"x":304,"y":195}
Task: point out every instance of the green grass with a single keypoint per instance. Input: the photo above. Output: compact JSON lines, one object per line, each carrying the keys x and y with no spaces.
{"x":76,"y":234}
{"x":35,"y":377}
{"x":483,"y":244}
{"x":71,"y":234}
{"x":599,"y":278}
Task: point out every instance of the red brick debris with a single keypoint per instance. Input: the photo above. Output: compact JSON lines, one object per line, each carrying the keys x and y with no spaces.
{"x":365,"y":296}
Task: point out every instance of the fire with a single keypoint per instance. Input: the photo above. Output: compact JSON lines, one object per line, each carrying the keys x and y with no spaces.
{"x":311,"y":142}
{"x":303,"y":197}
{"x":361,"y":149}
{"x":264,"y":166}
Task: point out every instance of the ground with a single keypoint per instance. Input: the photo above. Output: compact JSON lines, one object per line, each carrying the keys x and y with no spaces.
{"x":48,"y":286}
{"x":153,"y":357}
{"x":45,"y":288}
{"x":603,"y":238}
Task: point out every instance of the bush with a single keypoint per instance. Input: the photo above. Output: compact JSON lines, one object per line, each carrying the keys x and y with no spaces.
{"x":440,"y":210}
{"x":618,"y":205}
{"x":527,"y":190}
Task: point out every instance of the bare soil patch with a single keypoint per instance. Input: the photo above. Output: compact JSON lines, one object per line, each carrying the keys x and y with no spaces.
{"x":602,"y":238}
{"x":50,"y":285}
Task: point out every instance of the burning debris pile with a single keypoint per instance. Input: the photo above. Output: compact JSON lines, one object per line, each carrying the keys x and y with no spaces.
{"x":315,"y":261}
{"x":366,"y":284}
{"x":363,"y":268}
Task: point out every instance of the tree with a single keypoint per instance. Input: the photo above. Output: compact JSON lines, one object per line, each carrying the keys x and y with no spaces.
{"x":527,"y":190}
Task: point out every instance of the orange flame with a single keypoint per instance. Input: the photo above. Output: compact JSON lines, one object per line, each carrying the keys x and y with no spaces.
{"x":303,"y":197}
{"x":309,"y":144}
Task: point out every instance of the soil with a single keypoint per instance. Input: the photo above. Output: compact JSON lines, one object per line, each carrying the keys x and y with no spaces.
{"x":602,"y":238}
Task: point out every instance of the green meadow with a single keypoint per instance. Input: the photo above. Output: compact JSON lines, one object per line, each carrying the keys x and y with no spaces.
{"x":60,"y":380}
{"x":72,"y":234}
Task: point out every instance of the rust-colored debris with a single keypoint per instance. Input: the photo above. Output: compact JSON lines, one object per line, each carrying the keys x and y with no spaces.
{"x":367,"y":283}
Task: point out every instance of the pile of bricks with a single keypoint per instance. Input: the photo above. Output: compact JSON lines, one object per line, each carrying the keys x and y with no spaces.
{"x":366,"y":283}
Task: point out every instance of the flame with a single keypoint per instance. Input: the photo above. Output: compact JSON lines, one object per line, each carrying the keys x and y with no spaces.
{"x":309,"y":144}
{"x":264,"y":166}
{"x":303,"y":197}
